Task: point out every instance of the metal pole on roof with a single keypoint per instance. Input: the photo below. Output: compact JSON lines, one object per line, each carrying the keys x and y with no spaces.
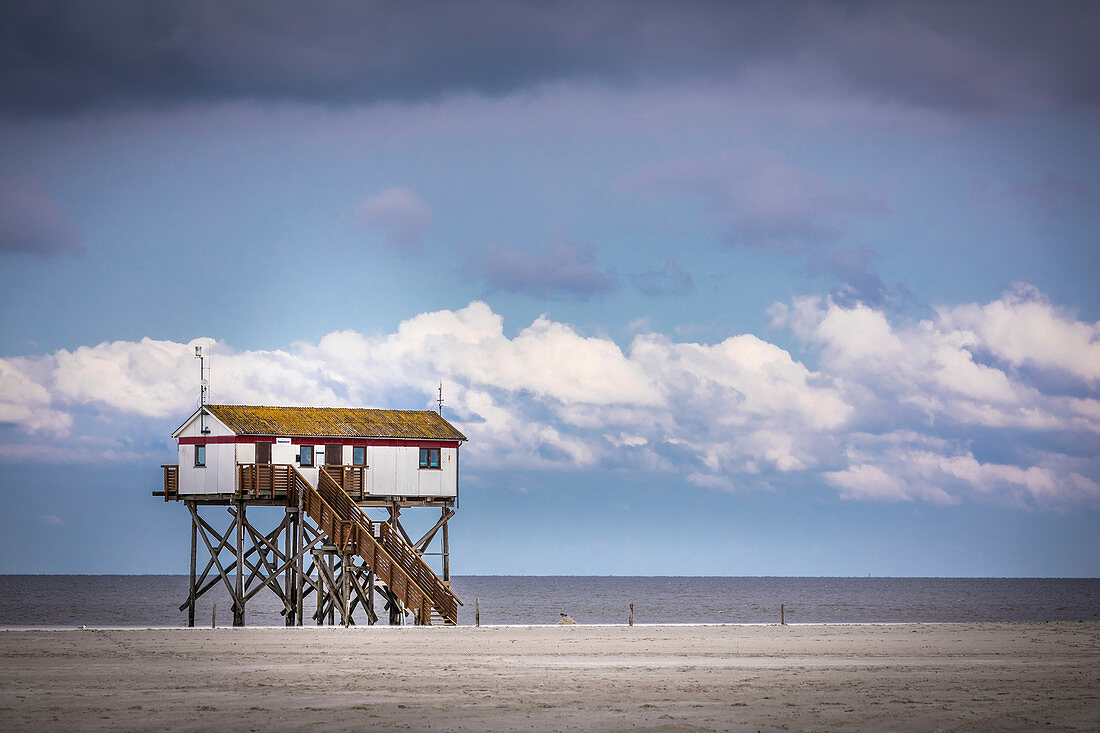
{"x":441,"y":399}
{"x":202,"y":391}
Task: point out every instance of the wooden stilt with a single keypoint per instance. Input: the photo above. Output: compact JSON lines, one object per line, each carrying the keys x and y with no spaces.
{"x":238,"y":606}
{"x":288,"y":574}
{"x":299,"y":543}
{"x":320,"y":615}
{"x":345,"y":577}
{"x":372,"y":615}
{"x":191,"y":584}
{"x":446,"y":546}
{"x":330,"y":561}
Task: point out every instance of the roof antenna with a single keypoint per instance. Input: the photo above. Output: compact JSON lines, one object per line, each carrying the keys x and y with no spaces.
{"x":204,"y":385}
{"x":441,"y":399}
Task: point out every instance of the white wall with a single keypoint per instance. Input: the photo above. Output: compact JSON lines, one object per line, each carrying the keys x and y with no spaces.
{"x":219,"y":476}
{"x":392,"y":470}
{"x":395,"y":471}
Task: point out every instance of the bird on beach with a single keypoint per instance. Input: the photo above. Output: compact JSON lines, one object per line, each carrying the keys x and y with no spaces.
{"x":566,"y":619}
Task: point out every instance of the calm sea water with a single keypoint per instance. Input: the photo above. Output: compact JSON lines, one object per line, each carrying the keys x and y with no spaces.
{"x":153,"y":600}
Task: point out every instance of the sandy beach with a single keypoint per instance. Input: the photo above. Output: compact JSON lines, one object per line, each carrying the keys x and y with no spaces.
{"x":958,"y":677}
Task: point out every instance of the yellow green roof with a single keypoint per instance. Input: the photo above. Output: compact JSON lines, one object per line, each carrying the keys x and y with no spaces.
{"x":335,"y":422}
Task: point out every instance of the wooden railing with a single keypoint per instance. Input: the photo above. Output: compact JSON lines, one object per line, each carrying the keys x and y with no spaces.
{"x":171,"y":482}
{"x":352,"y":479}
{"x":349,"y":528}
{"x":394,"y":544}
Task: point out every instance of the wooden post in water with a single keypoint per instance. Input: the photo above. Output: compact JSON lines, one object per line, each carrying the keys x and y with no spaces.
{"x":214,"y":616}
{"x":477,"y":612}
{"x":782,"y":614}
{"x":631,"y":614}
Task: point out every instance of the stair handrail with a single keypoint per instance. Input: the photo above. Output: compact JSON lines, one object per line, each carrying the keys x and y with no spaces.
{"x":387,"y":531}
{"x":315,"y":503}
{"x":300,"y":483}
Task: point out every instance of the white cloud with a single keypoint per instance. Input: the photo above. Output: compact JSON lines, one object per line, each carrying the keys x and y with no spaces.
{"x":892,"y":412}
{"x":1024,"y":328}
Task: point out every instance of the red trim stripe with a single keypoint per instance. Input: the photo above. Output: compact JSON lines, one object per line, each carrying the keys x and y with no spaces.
{"x":375,"y":442}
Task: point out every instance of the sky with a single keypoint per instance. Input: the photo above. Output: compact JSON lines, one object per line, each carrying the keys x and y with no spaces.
{"x":712,"y":288}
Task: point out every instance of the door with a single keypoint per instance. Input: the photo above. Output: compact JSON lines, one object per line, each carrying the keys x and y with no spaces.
{"x":263,"y":453}
{"x":334,"y":454}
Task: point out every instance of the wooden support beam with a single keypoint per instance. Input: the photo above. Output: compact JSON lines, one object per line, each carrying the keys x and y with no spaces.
{"x":261,"y":542}
{"x":422,"y":544}
{"x":447,"y":549}
{"x":288,"y":575}
{"x":214,"y":556}
{"x":238,"y":606}
{"x":395,"y":521}
{"x":370,"y":597}
{"x":299,"y":546}
{"x":191,"y":584}
{"x":275,"y":574}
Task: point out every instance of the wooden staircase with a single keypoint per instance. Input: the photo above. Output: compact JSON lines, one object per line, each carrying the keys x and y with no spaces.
{"x":395,"y":563}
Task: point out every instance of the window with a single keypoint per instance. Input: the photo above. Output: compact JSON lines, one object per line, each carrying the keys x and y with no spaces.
{"x":306,"y":456}
{"x":359,"y":455}
{"x":429,"y":458}
{"x":200,"y":456}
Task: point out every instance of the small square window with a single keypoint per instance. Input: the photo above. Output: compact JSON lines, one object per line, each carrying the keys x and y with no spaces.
{"x":200,"y":456}
{"x":306,"y":456}
{"x":358,"y":455}
{"x":429,"y":458}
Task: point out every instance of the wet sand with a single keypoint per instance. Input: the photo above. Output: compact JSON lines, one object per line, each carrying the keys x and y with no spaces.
{"x":958,"y":677}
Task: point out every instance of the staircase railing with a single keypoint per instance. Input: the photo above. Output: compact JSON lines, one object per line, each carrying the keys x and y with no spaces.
{"x":394,"y":544}
{"x":352,"y":531}
{"x":352,"y":479}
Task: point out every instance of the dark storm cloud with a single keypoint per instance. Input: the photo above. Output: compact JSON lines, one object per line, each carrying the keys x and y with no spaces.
{"x":69,"y":56}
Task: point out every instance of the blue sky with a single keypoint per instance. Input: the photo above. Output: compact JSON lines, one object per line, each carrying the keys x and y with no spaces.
{"x":805,"y":289}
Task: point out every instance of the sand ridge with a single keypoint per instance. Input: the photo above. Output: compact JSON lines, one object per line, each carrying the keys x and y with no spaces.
{"x":709,"y":678}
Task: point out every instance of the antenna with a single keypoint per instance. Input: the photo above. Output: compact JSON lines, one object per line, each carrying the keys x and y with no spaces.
{"x":203,"y":386}
{"x":441,"y":399}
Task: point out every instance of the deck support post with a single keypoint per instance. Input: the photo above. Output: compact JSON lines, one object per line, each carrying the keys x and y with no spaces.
{"x":372,"y":615}
{"x":238,"y":603}
{"x":299,"y":547}
{"x":346,"y":569}
{"x":191,"y":583}
{"x":446,"y":548}
{"x":330,"y":561}
{"x":289,"y":536}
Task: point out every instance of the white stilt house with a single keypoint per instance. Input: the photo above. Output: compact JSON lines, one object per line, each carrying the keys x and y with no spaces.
{"x":401,"y":454}
{"x":323,"y":466}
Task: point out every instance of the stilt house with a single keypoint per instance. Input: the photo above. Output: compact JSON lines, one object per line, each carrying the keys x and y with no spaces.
{"x":324,"y":466}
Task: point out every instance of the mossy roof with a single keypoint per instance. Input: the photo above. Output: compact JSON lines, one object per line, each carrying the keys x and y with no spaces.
{"x":335,"y":422}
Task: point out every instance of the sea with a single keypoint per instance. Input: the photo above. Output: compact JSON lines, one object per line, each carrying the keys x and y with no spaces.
{"x":98,"y":601}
